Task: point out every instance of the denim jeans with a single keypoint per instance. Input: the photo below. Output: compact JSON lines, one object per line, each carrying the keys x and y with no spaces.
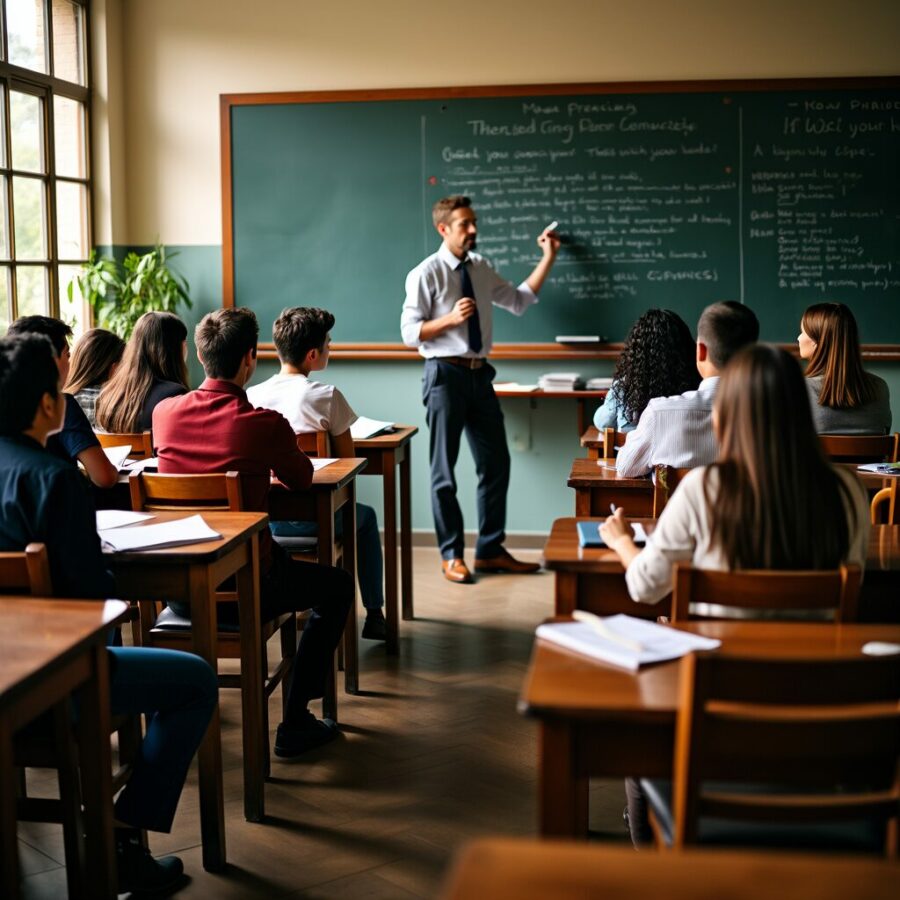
{"x":368,"y":550}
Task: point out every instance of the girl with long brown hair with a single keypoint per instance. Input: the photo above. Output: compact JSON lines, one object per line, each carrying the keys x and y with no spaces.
{"x":95,"y":358}
{"x":152,"y":369}
{"x":845,"y":398}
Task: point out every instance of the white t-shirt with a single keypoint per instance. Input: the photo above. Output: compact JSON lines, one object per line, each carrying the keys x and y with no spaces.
{"x":307,"y":405}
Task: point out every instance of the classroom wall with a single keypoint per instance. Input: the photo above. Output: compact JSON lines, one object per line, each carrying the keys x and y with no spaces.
{"x":160,"y":65}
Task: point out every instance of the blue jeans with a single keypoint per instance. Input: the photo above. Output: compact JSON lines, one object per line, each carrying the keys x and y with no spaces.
{"x":178,"y":692}
{"x":368,"y":550}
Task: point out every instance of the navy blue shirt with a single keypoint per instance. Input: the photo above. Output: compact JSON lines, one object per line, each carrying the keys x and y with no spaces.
{"x":45,"y":499}
{"x":160,"y":390}
{"x":76,"y":435}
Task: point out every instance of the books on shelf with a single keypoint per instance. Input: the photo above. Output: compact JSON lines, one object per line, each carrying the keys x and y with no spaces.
{"x":598,"y":384}
{"x":364,"y":428}
{"x":561,"y":381}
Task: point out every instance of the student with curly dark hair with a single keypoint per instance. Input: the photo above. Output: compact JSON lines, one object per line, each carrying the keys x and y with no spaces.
{"x":657,"y":361}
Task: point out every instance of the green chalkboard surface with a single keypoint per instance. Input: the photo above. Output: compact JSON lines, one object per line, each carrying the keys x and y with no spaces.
{"x":778,"y":194}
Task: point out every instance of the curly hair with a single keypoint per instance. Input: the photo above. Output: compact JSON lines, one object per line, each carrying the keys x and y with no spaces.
{"x":658,"y":361}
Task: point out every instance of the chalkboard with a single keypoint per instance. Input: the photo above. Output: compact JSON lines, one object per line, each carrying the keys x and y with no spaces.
{"x":777,"y":194}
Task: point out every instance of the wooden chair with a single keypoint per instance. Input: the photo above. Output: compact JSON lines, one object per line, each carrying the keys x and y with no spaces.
{"x":665,"y":480}
{"x":162,"y":628}
{"x":27,"y":572}
{"x":763,"y":589}
{"x":861,"y":447}
{"x":772,"y":752}
{"x":612,"y":440}
{"x":140,"y":442}
{"x":314,"y":443}
{"x":886,"y":496}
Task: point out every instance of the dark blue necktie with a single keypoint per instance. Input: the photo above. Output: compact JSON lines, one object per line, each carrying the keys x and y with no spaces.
{"x":473,"y":320}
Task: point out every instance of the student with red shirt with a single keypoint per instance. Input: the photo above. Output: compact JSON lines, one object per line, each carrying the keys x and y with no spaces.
{"x":216,"y":429}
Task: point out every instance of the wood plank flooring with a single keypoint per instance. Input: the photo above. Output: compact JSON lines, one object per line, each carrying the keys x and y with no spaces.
{"x":431,"y":754}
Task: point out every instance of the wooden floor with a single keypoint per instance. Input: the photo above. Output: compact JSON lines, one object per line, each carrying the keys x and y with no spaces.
{"x":432,"y":753}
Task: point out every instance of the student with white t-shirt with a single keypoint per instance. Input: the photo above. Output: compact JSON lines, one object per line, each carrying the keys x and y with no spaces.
{"x":302,"y":339}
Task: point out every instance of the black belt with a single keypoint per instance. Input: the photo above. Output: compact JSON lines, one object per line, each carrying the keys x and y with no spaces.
{"x":467,"y":362}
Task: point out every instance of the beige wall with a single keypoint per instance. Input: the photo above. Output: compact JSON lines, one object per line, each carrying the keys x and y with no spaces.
{"x":177,"y":56}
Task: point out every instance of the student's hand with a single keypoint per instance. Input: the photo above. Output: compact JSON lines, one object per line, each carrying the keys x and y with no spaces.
{"x":463,"y":309}
{"x":549,"y":243}
{"x":615,"y":528}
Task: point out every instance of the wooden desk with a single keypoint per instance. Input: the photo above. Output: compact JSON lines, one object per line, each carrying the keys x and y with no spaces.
{"x":50,"y":649}
{"x":190,"y":575}
{"x":600,"y":720}
{"x":593,"y":578}
{"x":521,"y":869}
{"x":581,"y":397}
{"x":333,"y":490}
{"x":388,"y":454}
{"x":597,"y":484}
{"x":592,"y":441}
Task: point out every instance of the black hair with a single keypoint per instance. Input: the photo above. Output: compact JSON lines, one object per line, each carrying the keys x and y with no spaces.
{"x":55,"y":329}
{"x":725,"y":328}
{"x":300,"y":329}
{"x":223,"y":337}
{"x":27,"y":371}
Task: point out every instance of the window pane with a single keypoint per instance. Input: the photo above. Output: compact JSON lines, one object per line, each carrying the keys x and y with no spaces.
{"x":68,"y":41}
{"x":75,"y":313}
{"x":4,"y":218}
{"x":30,"y":218}
{"x":26,"y":32}
{"x":69,"y":142}
{"x":4,"y":299}
{"x":27,"y":126}
{"x":71,"y":220}
{"x":31,"y":291}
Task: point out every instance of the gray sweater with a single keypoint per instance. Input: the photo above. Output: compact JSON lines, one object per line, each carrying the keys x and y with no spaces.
{"x":873,"y":417}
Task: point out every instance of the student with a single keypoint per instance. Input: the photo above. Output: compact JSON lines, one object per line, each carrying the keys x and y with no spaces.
{"x":845,"y":398}
{"x":215,"y":429}
{"x":677,"y":431}
{"x":76,"y":442}
{"x":302,"y":339}
{"x":96,"y":357}
{"x":44,"y":499}
{"x":657,"y":361}
{"x":154,"y":367}
{"x":752,"y":509}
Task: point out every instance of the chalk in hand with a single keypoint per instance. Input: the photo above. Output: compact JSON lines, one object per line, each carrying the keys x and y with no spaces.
{"x":552,"y":226}
{"x":612,"y":508}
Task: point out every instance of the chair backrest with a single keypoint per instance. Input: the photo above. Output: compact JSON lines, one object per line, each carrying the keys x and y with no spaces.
{"x":861,"y":447}
{"x":193,"y":492}
{"x":766,"y":589}
{"x":665,"y":480}
{"x":886,"y":497}
{"x":314,"y":443}
{"x":27,"y":572}
{"x":140,"y":442}
{"x":826,"y":725}
{"x":612,"y":440}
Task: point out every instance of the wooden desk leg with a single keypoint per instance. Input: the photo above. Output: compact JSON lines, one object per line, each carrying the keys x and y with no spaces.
{"x":9,"y":850}
{"x":406,"y":555}
{"x":96,"y":777}
{"x":566,"y":593}
{"x":593,"y":453}
{"x":209,"y":756}
{"x":582,"y":501}
{"x":581,"y":416}
{"x":389,"y":479}
{"x":563,"y":796}
{"x":351,"y":629}
{"x":252,"y":690}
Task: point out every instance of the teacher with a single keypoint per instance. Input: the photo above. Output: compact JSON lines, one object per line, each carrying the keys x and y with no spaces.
{"x":447,"y":314}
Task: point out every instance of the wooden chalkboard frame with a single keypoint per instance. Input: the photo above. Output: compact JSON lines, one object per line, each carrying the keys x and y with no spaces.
{"x":397,"y":351}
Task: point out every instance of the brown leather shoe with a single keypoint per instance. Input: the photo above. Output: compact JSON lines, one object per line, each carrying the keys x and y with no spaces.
{"x":506,"y":564}
{"x":457,"y":571}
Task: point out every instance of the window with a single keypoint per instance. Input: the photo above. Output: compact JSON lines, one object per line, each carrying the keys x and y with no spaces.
{"x":45,"y":215}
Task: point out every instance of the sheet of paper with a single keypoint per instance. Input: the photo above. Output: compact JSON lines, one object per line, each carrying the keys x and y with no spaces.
{"x":190,"y":530}
{"x":119,"y":518}
{"x":365,"y":427}
{"x":139,"y":465}
{"x":515,"y":388}
{"x":321,"y":462}
{"x":881,"y":468}
{"x":118,"y":455}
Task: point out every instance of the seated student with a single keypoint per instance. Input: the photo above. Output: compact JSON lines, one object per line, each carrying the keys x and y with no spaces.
{"x":677,"y":431}
{"x":45,"y":499}
{"x":215,"y":429}
{"x":302,"y":339}
{"x":153,"y":368}
{"x":96,"y":357}
{"x":845,"y":398}
{"x":752,"y":509}
{"x":76,"y":442}
{"x":657,"y":361}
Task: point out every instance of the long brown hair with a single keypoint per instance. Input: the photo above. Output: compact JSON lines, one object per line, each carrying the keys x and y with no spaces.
{"x":94,"y":354}
{"x":836,"y":357}
{"x":779,"y":503}
{"x":153,"y":353}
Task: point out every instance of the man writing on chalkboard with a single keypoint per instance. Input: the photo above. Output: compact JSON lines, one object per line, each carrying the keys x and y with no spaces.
{"x":447,"y":315}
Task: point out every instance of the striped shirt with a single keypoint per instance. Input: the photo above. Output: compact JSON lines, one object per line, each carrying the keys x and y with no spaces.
{"x":672,"y":431}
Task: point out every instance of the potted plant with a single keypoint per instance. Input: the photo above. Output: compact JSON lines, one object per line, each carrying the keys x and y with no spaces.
{"x":119,"y":297}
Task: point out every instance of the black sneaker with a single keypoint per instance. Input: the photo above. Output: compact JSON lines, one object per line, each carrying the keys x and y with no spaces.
{"x":292,"y":740}
{"x":139,"y":873}
{"x":375,"y":627}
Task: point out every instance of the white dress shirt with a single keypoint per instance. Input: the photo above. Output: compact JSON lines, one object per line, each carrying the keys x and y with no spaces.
{"x":434,"y":286}
{"x":672,"y":431}
{"x":307,"y":405}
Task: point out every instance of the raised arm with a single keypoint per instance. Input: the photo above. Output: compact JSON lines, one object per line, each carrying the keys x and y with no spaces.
{"x":549,"y":244}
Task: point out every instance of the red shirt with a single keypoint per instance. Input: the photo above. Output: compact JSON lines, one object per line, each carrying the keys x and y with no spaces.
{"x":216,"y":429}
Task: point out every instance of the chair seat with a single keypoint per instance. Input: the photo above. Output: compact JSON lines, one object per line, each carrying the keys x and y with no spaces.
{"x":854,"y":836}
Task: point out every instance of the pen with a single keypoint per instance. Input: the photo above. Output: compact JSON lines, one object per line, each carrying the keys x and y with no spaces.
{"x":595,"y":623}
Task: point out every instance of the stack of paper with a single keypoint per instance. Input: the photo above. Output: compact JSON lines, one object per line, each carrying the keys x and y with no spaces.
{"x":881,"y":468}
{"x":513,"y":387}
{"x":140,"y":465}
{"x":598,"y":384}
{"x":364,"y":428}
{"x":190,"y":530}
{"x":119,"y":518}
{"x":319,"y":462}
{"x":625,"y":641}
{"x":561,"y":381}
